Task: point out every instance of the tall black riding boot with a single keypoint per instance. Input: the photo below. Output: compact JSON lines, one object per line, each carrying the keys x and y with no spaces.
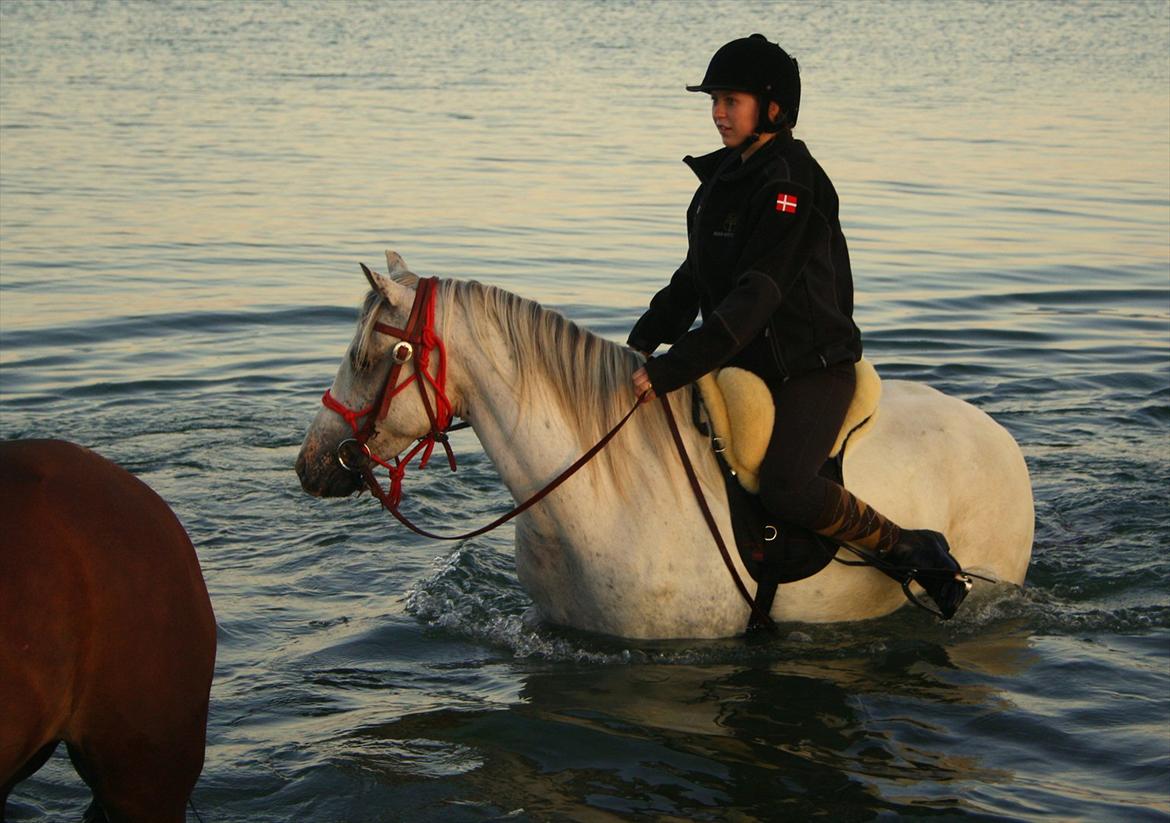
{"x":924,"y":556}
{"x":919,"y":555}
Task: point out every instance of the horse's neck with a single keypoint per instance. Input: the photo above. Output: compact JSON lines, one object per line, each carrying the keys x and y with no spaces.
{"x":527,"y":435}
{"x":528,"y":441}
{"x":531,"y":439}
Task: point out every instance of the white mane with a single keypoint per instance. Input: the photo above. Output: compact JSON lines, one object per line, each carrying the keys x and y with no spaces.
{"x":585,"y":375}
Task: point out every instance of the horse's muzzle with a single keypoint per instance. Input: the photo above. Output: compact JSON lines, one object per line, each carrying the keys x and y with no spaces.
{"x":322,"y":476}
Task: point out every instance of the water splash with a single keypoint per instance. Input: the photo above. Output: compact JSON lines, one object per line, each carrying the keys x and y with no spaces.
{"x":473,"y":593}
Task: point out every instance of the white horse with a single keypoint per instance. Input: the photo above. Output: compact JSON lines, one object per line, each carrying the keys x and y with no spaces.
{"x":621,"y":548}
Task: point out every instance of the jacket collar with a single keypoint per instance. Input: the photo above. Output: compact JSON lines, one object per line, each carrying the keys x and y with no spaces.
{"x":724,"y":162}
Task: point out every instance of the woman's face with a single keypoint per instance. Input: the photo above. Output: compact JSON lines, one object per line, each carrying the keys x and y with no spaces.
{"x":735,"y":114}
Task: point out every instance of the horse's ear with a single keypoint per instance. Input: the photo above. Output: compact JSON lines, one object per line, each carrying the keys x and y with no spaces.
{"x":395,"y":264}
{"x":371,"y":276}
{"x":394,"y":292}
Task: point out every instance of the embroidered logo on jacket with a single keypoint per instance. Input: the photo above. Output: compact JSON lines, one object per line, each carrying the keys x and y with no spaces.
{"x":786,"y":203}
{"x":730,"y":224}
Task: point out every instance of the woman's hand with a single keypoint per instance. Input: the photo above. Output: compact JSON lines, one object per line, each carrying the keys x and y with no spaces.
{"x":642,"y":386}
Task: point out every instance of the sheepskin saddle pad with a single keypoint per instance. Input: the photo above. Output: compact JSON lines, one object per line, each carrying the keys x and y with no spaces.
{"x":741,"y":413}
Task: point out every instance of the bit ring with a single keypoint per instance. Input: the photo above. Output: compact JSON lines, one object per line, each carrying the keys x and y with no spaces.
{"x":360,"y":459}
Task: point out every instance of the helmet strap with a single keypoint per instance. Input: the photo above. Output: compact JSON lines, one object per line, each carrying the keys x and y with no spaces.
{"x":764,"y":123}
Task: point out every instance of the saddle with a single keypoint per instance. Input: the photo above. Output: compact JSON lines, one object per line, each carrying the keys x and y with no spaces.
{"x":741,"y":415}
{"x":735,"y":408}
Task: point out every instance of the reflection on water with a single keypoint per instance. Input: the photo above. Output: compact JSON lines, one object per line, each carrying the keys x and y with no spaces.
{"x":909,"y":729}
{"x":703,"y":742}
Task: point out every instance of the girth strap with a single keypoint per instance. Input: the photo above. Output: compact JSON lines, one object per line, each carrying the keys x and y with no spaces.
{"x":758,"y":619}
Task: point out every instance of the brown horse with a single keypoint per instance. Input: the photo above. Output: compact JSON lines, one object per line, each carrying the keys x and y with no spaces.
{"x":107,"y":638}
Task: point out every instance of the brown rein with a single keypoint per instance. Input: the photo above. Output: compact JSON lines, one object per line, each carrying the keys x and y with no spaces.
{"x":758,"y":619}
{"x":391,"y":506}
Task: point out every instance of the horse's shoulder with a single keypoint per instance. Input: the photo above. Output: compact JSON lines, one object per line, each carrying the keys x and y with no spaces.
{"x":73,"y":476}
{"x":32,"y":462}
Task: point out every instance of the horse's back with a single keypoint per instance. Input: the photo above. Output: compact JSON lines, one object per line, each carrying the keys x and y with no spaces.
{"x":85,"y":533}
{"x":928,"y":461}
{"x":107,"y":636}
{"x":935,"y":461}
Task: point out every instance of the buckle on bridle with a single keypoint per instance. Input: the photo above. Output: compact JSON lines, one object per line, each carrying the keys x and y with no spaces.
{"x":403,"y":351}
{"x":353,"y":455}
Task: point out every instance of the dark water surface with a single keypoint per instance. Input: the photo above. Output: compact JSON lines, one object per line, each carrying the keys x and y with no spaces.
{"x":186,"y":190}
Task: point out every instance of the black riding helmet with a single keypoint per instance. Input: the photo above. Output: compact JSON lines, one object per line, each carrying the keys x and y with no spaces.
{"x":756,"y":66}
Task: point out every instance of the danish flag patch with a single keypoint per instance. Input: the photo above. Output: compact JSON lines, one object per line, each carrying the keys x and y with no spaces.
{"x":786,"y":203}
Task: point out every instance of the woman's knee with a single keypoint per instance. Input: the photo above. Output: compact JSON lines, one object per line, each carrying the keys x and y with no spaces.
{"x":788,"y":496}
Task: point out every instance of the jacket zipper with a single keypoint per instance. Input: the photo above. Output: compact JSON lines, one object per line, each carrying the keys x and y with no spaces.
{"x":776,"y":351}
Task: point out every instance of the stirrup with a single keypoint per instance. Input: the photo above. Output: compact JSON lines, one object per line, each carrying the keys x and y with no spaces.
{"x":939,"y":579}
{"x":968,"y":584}
{"x":906,"y":574}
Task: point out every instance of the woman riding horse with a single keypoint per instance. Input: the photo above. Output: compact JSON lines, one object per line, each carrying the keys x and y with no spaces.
{"x":767,"y":265}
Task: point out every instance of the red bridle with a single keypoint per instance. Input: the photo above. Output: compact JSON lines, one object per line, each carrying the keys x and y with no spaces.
{"x":415,"y":344}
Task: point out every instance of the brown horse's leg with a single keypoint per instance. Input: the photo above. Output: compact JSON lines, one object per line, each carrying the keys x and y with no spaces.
{"x":126,"y":802}
{"x":137,"y":736}
{"x":29,"y":768}
{"x":95,"y":814}
{"x":136,"y":781}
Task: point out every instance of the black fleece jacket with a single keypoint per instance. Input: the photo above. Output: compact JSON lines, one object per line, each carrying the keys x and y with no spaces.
{"x":767,"y":265}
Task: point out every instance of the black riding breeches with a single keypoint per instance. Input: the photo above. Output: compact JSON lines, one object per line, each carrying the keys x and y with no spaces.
{"x":810,"y":410}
